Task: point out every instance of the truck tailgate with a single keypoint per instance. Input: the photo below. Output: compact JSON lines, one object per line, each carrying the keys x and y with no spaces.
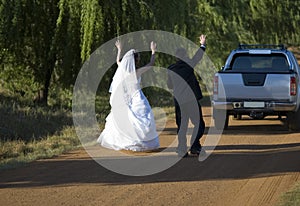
{"x":254,"y":87}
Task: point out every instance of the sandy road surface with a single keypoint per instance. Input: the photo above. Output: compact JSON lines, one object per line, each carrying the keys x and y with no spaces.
{"x":253,"y":164}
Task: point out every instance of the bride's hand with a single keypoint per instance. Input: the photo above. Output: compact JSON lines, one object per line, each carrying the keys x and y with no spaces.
{"x":153,"y":47}
{"x":118,"y":45}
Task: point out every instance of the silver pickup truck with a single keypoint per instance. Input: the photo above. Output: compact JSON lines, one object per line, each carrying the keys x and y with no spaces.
{"x":258,"y":80}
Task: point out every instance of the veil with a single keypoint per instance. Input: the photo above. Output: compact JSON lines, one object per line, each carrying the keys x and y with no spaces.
{"x":122,"y":89}
{"x":124,"y":82}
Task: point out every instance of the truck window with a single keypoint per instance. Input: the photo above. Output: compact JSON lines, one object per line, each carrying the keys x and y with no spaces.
{"x":242,"y":63}
{"x":260,"y":63}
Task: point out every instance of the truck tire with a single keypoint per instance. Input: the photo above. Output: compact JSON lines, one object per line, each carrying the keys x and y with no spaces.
{"x":237,"y":117}
{"x":293,"y":120}
{"x":221,"y":119}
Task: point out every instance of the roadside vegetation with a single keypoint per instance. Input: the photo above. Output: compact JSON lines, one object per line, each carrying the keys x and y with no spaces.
{"x":292,"y":197}
{"x":29,"y":132}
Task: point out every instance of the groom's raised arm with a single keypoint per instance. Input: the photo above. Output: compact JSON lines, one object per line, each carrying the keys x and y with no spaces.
{"x":199,"y":54}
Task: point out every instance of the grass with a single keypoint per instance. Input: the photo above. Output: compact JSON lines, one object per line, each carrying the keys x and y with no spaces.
{"x":17,"y":152}
{"x":292,"y":197}
{"x":29,"y":132}
{"x":21,"y":120}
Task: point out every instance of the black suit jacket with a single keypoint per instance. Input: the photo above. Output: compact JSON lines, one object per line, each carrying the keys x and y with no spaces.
{"x":182,"y":79}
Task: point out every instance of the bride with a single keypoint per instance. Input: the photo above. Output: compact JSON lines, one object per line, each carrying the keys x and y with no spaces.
{"x":130,"y":124}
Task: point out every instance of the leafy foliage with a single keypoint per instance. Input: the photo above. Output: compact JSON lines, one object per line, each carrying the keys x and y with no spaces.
{"x":44,"y":43}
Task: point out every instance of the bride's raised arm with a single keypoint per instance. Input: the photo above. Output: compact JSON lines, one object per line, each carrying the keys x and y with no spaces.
{"x":152,"y":60}
{"x":119,"y":47}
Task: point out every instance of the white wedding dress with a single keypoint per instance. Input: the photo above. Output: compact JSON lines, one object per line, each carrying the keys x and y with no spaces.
{"x":130,"y":125}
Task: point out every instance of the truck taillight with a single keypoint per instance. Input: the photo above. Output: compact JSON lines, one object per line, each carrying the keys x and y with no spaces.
{"x":216,"y":85}
{"x":293,"y":86}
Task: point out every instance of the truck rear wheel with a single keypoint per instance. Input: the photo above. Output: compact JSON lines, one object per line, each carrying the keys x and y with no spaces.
{"x":221,"y":119}
{"x":237,"y":116}
{"x":293,"y":120}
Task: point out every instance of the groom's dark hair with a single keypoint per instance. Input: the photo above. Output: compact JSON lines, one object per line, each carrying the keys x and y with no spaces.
{"x":136,"y":57}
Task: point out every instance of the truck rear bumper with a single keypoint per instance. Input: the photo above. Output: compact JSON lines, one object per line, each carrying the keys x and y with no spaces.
{"x":250,"y":106}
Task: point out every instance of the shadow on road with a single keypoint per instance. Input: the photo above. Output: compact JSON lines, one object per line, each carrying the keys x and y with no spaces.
{"x":223,"y":164}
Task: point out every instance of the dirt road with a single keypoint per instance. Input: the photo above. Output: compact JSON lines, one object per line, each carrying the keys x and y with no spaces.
{"x":253,"y":164}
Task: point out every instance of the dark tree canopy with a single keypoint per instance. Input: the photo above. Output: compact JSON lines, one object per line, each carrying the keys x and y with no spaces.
{"x":44,"y":43}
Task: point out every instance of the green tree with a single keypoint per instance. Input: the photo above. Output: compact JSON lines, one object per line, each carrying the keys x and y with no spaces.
{"x":29,"y":36}
{"x":275,"y":21}
{"x":44,"y":43}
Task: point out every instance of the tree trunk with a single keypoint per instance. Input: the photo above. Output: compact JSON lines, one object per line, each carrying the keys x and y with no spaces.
{"x":43,"y":94}
{"x":49,"y":70}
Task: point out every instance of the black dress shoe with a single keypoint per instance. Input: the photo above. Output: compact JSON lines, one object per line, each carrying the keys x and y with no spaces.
{"x":197,"y":151}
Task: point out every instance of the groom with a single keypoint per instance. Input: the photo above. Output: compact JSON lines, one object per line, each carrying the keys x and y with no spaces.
{"x":187,"y":93}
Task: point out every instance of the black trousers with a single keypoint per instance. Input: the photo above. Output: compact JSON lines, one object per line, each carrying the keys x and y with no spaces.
{"x":185,"y":112}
